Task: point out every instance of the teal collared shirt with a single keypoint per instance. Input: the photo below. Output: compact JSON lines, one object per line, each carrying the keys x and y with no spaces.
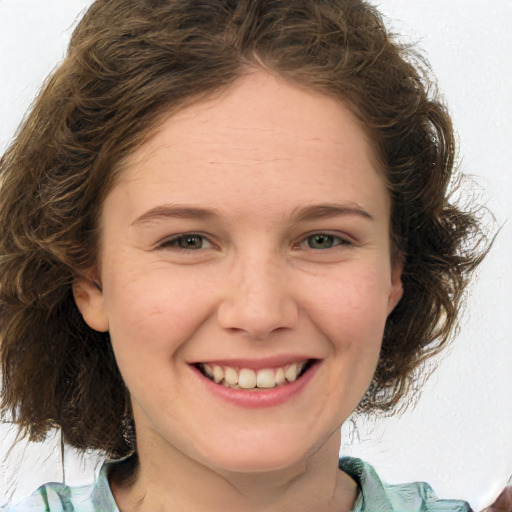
{"x":373,"y":496}
{"x":376,"y":496}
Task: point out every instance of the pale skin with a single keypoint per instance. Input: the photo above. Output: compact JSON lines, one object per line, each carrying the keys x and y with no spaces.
{"x":251,"y":229}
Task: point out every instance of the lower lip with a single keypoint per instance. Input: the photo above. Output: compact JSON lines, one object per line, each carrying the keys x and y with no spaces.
{"x":259,"y":398}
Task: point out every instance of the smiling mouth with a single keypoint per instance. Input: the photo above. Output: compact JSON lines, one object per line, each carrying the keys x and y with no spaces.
{"x":248,"y":378}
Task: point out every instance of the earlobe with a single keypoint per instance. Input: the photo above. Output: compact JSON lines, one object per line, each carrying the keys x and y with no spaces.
{"x":88,"y":297}
{"x":397,"y":289}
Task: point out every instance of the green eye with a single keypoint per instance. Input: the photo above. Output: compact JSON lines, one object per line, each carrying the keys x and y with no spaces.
{"x":186,"y":242}
{"x":323,"y":241}
{"x":190,"y":242}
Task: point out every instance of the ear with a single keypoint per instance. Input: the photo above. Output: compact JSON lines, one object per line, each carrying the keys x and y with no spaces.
{"x":397,"y":290}
{"x":89,"y":300}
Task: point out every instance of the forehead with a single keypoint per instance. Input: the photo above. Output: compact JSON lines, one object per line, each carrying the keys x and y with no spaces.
{"x":259,"y":105}
{"x":258,"y":136}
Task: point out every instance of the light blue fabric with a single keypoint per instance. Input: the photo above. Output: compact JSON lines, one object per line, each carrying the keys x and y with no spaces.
{"x":56,"y":497}
{"x":374,"y":495}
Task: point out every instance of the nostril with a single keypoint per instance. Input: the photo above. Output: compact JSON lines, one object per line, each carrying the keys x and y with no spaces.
{"x":259,"y":317}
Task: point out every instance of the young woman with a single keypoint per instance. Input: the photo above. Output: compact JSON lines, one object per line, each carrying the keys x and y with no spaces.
{"x":224,"y":226}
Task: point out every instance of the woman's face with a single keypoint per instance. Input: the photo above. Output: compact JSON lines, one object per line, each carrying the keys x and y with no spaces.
{"x":248,"y":239}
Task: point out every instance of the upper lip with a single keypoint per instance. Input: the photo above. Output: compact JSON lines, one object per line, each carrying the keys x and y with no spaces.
{"x":256,"y":364}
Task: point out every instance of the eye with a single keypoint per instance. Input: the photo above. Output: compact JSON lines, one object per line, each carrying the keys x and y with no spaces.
{"x":320,"y":241}
{"x":187,"y":242}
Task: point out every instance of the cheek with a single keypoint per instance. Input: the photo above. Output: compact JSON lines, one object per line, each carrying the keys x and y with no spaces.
{"x":351,"y":311}
{"x":156,"y":309}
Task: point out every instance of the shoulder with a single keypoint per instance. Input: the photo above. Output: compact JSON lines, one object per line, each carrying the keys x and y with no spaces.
{"x":58,"y":497}
{"x":375,"y":495}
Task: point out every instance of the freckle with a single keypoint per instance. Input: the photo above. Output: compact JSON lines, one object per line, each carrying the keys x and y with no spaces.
{"x":156,"y":312}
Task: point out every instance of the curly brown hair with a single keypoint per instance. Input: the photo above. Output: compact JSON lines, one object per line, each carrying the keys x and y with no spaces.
{"x":128,"y":63}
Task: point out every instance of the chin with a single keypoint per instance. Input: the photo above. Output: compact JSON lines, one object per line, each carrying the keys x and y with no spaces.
{"x":258,"y":463}
{"x":269,"y":456}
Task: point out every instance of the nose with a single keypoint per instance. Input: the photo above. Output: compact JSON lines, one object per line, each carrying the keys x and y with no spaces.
{"x":258,"y":299}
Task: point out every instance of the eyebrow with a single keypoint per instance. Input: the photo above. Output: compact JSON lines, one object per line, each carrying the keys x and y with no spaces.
{"x":303,"y":214}
{"x":175,"y":211}
{"x":321,"y":211}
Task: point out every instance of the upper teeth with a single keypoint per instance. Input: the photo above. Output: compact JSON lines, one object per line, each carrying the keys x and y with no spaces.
{"x":246,"y":378}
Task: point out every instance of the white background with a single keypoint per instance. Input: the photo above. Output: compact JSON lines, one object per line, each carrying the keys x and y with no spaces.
{"x":459,"y":437}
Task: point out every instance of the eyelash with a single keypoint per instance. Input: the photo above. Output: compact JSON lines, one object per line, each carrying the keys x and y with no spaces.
{"x":337,"y":240}
{"x":174,"y":241}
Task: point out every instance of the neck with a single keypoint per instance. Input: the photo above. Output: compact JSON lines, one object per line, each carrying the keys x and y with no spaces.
{"x":181,"y":483}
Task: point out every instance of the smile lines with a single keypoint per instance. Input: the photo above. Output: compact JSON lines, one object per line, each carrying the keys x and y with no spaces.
{"x":246,"y":378}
